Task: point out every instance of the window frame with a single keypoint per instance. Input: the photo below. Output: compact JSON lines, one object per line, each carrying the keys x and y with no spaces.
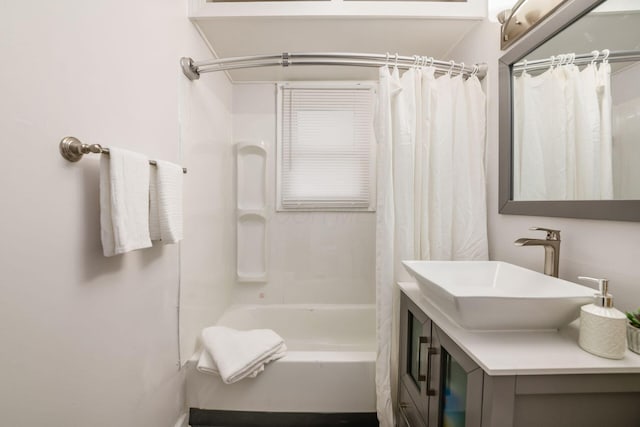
{"x":371,"y":206}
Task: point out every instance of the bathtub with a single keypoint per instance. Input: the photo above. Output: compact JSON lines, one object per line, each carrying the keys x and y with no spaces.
{"x":329,"y":366}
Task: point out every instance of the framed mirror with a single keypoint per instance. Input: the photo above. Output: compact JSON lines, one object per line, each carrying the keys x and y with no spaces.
{"x":570,"y":115}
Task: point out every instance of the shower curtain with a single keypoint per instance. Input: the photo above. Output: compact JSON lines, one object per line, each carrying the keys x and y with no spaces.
{"x":562,"y":134}
{"x":431,"y":190}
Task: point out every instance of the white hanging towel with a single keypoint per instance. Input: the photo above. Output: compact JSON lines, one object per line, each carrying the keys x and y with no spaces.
{"x":235,"y":355}
{"x":165,"y":202}
{"x":124,"y":202}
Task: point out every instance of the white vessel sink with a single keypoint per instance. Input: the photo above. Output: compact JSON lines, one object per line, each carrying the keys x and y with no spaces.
{"x":493,"y":295}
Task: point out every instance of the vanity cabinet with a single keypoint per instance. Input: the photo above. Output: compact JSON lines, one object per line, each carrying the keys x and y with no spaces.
{"x":440,"y":385}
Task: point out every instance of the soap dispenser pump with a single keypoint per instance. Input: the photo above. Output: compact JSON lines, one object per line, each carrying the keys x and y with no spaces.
{"x":602,"y":327}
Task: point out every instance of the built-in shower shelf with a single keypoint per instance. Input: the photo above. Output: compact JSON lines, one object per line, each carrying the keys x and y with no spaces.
{"x":251,"y":213}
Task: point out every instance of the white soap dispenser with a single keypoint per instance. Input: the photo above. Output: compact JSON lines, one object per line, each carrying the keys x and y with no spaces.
{"x":602,"y":327}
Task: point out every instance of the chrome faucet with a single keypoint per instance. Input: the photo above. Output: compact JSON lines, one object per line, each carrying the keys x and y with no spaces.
{"x":551,"y":249}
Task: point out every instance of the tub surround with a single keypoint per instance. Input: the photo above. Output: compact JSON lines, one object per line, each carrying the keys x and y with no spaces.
{"x":524,"y":352}
{"x":314,"y":257}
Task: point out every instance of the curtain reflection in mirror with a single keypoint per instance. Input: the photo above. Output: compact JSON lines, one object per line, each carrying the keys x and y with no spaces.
{"x":626,"y":128}
{"x":563,"y":149}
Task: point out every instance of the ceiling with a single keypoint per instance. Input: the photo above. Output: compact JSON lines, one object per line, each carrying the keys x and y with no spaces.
{"x":242,"y":36}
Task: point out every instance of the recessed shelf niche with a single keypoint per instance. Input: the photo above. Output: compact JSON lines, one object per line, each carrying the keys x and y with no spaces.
{"x":251,"y":220}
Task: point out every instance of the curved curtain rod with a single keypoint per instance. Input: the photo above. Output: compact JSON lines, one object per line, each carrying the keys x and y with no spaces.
{"x":193,"y":69}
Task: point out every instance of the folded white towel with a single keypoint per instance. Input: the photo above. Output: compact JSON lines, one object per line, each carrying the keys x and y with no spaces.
{"x":165,"y":202}
{"x":235,"y":355}
{"x":124,"y":202}
{"x":206,"y":365}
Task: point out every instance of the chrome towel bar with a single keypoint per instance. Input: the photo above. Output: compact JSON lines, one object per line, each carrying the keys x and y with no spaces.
{"x":73,"y":149}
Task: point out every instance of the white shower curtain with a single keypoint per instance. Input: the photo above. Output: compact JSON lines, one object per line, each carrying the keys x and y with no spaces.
{"x":431,"y":190}
{"x":562,"y":134}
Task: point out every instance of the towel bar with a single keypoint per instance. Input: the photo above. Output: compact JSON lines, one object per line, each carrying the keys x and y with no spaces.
{"x":73,"y":149}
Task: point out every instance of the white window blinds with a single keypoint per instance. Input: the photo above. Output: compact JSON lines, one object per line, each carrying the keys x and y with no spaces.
{"x":326,"y":146}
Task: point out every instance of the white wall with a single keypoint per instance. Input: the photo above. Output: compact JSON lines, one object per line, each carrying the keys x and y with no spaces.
{"x":624,"y":87}
{"x":625,"y":93}
{"x":593,"y":248}
{"x":316,"y":257}
{"x":87,"y":340}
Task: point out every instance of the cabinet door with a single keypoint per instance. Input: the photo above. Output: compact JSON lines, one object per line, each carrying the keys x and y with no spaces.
{"x":455,"y":382}
{"x":415,"y":337}
{"x":408,"y":413}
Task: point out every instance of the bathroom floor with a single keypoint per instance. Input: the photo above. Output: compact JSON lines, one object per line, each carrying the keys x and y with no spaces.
{"x":210,"y":418}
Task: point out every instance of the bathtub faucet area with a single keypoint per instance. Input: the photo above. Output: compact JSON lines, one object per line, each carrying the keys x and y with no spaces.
{"x":551,"y":249}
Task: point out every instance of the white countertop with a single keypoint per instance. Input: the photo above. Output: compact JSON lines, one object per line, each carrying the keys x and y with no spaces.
{"x":524,"y":352}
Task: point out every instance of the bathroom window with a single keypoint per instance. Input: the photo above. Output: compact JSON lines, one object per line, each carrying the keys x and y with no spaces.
{"x":325,"y":147}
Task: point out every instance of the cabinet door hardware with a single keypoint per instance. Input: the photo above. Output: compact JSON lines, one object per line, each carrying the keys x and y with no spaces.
{"x":402,"y":406}
{"x":430,"y":352}
{"x":423,"y":341}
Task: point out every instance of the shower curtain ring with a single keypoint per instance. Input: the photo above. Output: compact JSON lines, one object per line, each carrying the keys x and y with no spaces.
{"x":453,"y":64}
{"x":431,"y":61}
{"x":387,"y":60}
{"x":606,"y":53}
{"x":595,"y":54}
{"x":461,"y":68}
{"x":396,"y":62}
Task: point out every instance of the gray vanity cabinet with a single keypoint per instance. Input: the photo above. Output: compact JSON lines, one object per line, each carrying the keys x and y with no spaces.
{"x":441,"y":386}
{"x":415,"y":329}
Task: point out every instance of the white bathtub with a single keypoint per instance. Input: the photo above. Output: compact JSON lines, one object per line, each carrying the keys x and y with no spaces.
{"x":329,"y":368}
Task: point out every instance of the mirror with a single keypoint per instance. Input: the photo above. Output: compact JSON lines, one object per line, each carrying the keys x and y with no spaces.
{"x":570,"y":114}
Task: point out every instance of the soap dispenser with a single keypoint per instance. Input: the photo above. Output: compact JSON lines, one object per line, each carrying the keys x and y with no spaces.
{"x":602,"y":327}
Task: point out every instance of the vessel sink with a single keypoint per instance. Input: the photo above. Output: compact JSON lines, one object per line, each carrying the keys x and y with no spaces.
{"x":493,"y":295}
